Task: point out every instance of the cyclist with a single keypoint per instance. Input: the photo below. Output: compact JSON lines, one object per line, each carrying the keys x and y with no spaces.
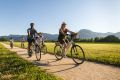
{"x":11,"y":42}
{"x":62,"y":37}
{"x":31,"y":36}
{"x":22,"y":42}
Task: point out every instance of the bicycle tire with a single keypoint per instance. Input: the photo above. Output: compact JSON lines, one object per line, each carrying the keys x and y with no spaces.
{"x":58,"y":52}
{"x":78,"y":57}
{"x":38,"y":52}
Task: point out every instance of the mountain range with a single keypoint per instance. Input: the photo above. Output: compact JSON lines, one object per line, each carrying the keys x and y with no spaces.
{"x":87,"y":34}
{"x":83,"y":34}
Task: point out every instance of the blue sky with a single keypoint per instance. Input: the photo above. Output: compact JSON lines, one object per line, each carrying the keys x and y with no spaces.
{"x":96,"y":15}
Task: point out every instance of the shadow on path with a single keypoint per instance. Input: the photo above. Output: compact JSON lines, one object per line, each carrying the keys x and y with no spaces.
{"x":47,"y":64}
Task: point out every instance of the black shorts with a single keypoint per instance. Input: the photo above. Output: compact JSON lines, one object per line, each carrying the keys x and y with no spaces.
{"x":30,"y":40}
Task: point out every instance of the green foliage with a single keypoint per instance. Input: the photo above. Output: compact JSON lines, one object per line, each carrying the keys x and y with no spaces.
{"x":110,"y":38}
{"x":12,"y":67}
{"x":3,"y":39}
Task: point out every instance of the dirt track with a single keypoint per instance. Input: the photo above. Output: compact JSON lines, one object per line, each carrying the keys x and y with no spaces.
{"x":67,"y":69}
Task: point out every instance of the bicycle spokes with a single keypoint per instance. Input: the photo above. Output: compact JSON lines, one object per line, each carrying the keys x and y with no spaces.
{"x":58,"y":52}
{"x":77,"y":54}
{"x":38,"y":52}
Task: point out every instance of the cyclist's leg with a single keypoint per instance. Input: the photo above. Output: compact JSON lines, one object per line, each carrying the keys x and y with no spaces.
{"x":29,"y":45}
{"x":66,"y":47}
{"x":23,"y":45}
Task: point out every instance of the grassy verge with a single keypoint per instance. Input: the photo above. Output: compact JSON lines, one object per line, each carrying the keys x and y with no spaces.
{"x":107,"y":53}
{"x":12,"y":67}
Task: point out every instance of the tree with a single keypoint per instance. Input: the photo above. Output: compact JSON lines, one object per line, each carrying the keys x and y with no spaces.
{"x":96,"y":39}
{"x":3,"y":39}
{"x":111,"y":38}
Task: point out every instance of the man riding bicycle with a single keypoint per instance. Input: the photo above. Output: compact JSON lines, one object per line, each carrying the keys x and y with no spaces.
{"x":62,"y":37}
{"x":31,"y":36}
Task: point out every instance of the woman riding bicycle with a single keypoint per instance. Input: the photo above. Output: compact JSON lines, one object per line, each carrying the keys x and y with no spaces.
{"x":62,"y":37}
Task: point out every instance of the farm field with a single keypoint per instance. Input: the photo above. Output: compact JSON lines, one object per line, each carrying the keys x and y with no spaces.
{"x":107,"y":53}
{"x":12,"y":67}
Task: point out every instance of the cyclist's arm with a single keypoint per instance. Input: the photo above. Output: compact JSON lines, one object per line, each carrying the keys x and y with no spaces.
{"x":28,"y":31}
{"x":62,"y":32}
{"x":71,"y":32}
{"x":36,"y":32}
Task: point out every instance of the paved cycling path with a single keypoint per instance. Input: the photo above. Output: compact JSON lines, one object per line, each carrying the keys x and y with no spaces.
{"x":67,"y":69}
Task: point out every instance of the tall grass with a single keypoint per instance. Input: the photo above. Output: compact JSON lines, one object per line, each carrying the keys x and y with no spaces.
{"x":12,"y":67}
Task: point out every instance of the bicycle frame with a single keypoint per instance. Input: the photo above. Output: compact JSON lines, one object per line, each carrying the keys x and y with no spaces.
{"x":70,"y":43}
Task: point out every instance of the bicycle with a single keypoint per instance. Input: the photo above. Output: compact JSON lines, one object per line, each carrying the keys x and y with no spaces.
{"x":11,"y":45}
{"x":77,"y":53}
{"x":42,"y":46}
{"x":35,"y":48}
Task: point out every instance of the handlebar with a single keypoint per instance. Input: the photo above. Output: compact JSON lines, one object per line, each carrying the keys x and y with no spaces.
{"x":72,"y":36}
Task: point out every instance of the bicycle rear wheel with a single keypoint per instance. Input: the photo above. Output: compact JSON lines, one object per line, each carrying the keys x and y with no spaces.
{"x":58,"y":52}
{"x":38,"y":52}
{"x":44,"y":49}
{"x":11,"y":45}
{"x":77,"y":54}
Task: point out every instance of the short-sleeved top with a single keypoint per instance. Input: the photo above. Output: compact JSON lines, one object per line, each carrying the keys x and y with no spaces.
{"x":32,"y":32}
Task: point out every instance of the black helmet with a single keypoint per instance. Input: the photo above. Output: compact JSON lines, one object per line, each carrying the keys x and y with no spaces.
{"x":31,"y":24}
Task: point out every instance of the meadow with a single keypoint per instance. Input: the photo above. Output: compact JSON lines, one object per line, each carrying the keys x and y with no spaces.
{"x":12,"y":67}
{"x":107,"y":53}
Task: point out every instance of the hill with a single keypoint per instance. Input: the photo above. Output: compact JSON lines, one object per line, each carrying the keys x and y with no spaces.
{"x":84,"y":34}
{"x":87,"y":34}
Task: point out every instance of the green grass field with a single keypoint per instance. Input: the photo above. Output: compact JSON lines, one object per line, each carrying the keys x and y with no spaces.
{"x":12,"y":67}
{"x":107,"y":53}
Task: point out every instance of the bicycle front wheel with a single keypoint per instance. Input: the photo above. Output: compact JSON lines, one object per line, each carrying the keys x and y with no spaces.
{"x":77,"y":54}
{"x":58,"y":52}
{"x":38,"y":52}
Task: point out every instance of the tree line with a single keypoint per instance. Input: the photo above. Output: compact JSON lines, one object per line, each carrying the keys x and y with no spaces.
{"x":110,"y":38}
